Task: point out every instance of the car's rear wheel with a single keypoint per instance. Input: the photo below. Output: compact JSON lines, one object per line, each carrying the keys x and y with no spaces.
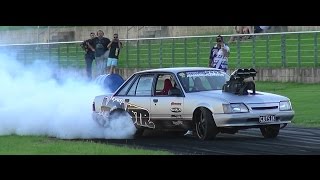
{"x":270,"y":131}
{"x":120,"y":112}
{"x":205,"y":126}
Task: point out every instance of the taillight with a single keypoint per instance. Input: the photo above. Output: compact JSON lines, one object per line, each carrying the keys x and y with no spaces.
{"x":93,"y":107}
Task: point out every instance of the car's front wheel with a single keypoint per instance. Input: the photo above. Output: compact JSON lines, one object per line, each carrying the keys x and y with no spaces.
{"x":205,"y":126}
{"x":270,"y":131}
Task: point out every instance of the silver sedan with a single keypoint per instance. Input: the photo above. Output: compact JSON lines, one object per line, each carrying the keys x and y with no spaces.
{"x":194,"y":98}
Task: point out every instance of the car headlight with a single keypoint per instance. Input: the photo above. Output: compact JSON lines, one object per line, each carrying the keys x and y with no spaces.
{"x":285,"y":106}
{"x":235,"y":108}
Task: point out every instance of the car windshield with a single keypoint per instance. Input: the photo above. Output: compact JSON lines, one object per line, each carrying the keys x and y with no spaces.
{"x":202,"y":80}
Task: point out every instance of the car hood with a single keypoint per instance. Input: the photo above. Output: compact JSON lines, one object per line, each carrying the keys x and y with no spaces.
{"x":259,"y":97}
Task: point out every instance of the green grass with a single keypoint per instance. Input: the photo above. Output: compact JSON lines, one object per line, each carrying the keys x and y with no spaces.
{"x":32,"y":145}
{"x":188,"y":52}
{"x":304,"y":98}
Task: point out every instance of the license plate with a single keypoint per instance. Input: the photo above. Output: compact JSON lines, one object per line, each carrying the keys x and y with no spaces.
{"x":267,"y":119}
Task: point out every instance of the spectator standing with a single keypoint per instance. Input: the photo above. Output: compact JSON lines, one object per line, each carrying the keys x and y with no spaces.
{"x":89,"y":54}
{"x":100,"y":47}
{"x":247,"y":30}
{"x":219,"y":55}
{"x":115,"y":45}
{"x":242,"y":30}
{"x":237,"y":30}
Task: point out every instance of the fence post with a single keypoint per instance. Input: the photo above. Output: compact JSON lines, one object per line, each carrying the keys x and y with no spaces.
{"x":254,"y":51}
{"x":197,"y":51}
{"x":238,"y":52}
{"x":185,"y":51}
{"x":316,"y":49}
{"x":299,"y":50}
{"x":138,"y":54}
{"x":160,"y":51}
{"x":210,"y":46}
{"x":283,"y":50}
{"x":173,"y":46}
{"x":127,"y":51}
{"x":268,"y":51}
{"x":149,"y":52}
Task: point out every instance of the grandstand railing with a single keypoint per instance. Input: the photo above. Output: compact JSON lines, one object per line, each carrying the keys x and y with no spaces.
{"x":263,"y":50}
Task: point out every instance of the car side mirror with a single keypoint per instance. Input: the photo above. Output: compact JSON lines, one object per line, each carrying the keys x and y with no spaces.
{"x":174,"y":92}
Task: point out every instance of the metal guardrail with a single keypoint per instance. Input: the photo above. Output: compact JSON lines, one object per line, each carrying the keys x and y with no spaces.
{"x":279,"y":50}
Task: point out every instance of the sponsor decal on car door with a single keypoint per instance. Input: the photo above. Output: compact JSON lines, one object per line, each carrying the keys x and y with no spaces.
{"x":166,"y":108}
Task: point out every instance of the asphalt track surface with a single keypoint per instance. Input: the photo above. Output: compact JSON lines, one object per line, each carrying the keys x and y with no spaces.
{"x":290,"y":141}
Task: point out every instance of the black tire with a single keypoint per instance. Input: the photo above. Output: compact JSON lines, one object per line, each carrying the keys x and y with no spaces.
{"x":270,"y":131}
{"x":205,"y":126}
{"x":118,"y":112}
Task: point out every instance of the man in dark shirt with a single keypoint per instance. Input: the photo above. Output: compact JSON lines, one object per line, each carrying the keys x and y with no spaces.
{"x":100,"y":44}
{"x":89,"y":55}
{"x":115,"y":45}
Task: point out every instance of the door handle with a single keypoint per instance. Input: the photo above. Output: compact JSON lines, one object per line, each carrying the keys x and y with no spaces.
{"x":155,"y":100}
{"x":126,"y":100}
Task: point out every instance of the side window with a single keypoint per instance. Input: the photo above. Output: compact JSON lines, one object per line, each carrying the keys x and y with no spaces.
{"x":184,"y":82}
{"x":133,"y":89}
{"x":124,"y":90}
{"x":164,"y":83}
{"x":142,"y":86}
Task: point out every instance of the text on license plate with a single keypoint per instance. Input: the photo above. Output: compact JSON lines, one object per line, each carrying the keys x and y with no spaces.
{"x":268,"y":118}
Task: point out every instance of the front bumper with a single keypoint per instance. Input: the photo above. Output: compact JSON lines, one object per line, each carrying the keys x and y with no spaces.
{"x":251,"y":119}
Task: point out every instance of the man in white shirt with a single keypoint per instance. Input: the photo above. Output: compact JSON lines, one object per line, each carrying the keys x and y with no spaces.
{"x":219,"y":55}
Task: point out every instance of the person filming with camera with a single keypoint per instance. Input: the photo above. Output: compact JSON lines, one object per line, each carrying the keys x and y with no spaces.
{"x":219,"y":55}
{"x":89,"y":54}
{"x":115,"y":45}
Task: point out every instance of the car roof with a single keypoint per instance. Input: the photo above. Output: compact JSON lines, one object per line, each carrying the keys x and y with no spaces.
{"x":179,"y":69}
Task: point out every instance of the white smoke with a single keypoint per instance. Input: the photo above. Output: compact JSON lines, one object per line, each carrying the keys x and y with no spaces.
{"x":39,"y":99}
